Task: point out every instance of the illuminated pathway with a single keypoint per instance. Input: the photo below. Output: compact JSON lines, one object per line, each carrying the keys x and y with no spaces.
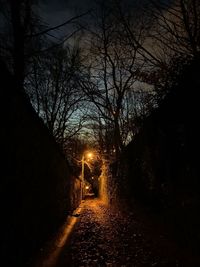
{"x":104,"y":237}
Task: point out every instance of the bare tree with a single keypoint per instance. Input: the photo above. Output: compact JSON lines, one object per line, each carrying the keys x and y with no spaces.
{"x":173,"y":34}
{"x":55,"y":93}
{"x":177,"y":25}
{"x":23,"y":35}
{"x":112,"y":74}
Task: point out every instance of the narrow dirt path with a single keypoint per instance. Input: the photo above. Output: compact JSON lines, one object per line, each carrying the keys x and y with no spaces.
{"x":106,"y":237}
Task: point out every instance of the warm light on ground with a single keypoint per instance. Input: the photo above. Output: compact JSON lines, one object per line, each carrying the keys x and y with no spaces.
{"x":56,"y":246}
{"x":103,"y":187}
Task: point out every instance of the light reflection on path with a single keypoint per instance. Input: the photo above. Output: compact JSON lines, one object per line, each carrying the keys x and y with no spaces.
{"x":105,"y":236}
{"x":56,"y":245}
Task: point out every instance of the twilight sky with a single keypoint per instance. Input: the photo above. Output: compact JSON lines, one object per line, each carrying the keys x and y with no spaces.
{"x":55,"y":12}
{"x":58,"y":11}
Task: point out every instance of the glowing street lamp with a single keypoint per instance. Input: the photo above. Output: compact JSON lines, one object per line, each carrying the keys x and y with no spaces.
{"x":89,"y":155}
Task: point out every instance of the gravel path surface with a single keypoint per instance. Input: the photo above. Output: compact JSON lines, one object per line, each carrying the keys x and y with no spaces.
{"x":106,"y":237}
